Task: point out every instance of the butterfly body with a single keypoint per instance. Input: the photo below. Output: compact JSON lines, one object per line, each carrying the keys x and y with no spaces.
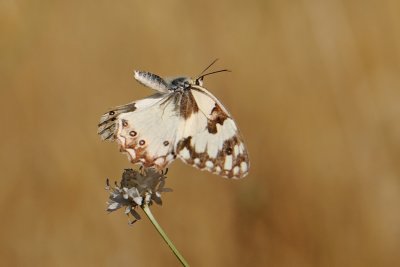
{"x":182,"y":120}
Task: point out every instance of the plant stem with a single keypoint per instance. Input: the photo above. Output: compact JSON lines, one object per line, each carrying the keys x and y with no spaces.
{"x":146,"y":209}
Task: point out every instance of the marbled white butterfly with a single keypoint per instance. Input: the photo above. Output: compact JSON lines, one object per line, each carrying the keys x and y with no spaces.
{"x":182,"y":120}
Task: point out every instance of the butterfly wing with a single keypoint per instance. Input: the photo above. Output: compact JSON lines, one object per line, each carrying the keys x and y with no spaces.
{"x":209,"y":138}
{"x":106,"y":127}
{"x":148,"y":134}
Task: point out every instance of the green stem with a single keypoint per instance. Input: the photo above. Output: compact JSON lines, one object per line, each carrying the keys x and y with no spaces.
{"x":146,"y":209}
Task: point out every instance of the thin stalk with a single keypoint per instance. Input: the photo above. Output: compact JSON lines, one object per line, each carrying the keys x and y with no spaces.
{"x":146,"y":210}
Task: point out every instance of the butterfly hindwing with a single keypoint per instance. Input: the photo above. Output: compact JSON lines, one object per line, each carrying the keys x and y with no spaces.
{"x":107,"y":125}
{"x":148,"y":135}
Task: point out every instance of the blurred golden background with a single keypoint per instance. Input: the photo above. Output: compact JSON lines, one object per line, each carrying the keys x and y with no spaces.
{"x":315,"y":89}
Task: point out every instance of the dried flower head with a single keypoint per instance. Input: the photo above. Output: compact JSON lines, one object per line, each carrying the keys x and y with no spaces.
{"x":136,"y":188}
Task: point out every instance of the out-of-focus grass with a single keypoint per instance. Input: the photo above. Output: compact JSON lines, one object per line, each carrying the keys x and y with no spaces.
{"x":314,"y":89}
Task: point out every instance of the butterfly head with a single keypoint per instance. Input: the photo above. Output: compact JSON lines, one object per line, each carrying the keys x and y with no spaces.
{"x":199,"y":81}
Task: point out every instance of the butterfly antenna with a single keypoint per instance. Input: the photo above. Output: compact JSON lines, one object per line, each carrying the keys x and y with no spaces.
{"x":212,"y":63}
{"x":202,"y":76}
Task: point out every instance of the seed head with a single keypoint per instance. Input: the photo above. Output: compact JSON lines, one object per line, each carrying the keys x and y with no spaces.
{"x":136,"y":188}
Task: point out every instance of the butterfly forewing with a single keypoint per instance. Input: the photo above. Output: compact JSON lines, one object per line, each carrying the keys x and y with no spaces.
{"x":210,"y":139}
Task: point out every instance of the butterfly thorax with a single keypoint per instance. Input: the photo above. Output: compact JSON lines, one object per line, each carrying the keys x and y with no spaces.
{"x":180,"y":84}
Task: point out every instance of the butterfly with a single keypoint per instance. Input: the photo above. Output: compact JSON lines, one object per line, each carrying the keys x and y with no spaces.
{"x":184,"y":120}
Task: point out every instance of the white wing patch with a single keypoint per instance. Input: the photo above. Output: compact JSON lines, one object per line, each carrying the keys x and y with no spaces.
{"x":206,"y":101}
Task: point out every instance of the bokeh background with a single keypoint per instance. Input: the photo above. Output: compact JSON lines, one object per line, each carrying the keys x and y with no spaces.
{"x":315,"y":89}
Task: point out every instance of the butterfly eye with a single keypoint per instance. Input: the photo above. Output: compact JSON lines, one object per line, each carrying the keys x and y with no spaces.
{"x":228,"y":151}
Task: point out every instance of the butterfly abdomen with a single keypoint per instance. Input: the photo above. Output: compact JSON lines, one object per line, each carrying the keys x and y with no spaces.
{"x":151,"y":80}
